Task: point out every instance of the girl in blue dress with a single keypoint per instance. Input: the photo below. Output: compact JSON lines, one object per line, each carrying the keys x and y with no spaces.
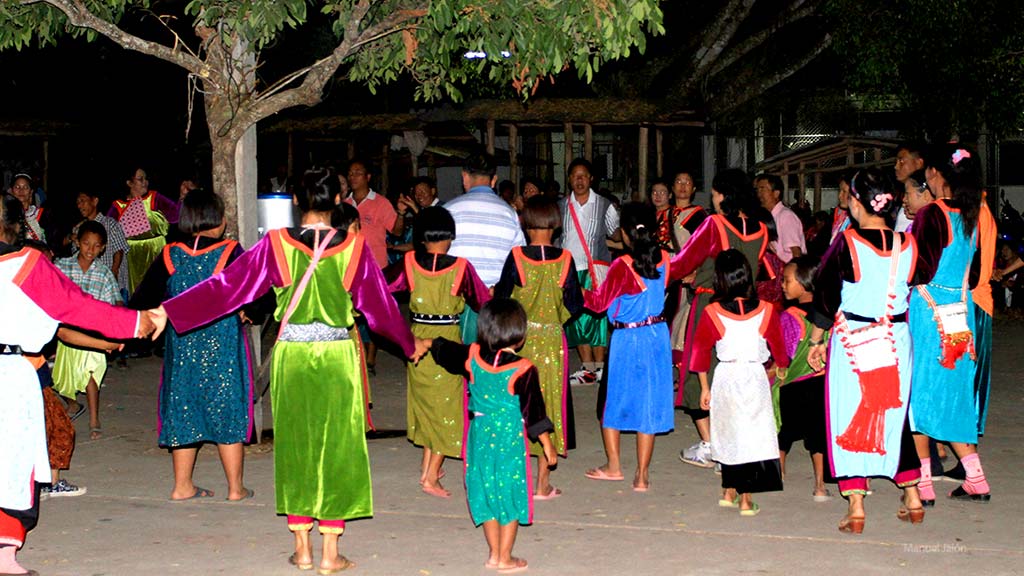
{"x":206,"y":389}
{"x":639,"y":394}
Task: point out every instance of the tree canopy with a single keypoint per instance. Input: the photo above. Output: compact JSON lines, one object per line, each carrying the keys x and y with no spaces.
{"x":956,"y":67}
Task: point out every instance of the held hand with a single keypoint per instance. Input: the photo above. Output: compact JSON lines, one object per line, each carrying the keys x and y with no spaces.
{"x":816,"y":357}
{"x":152,"y":323}
{"x":705,"y":399}
{"x":422,"y":349}
{"x":997,"y":275}
{"x":551,"y":455}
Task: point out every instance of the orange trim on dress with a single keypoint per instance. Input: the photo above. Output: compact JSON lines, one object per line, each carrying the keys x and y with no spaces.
{"x":723,"y":236}
{"x":225,"y":255}
{"x":712,"y":311}
{"x":279,"y":259}
{"x":766,"y":319}
{"x":850,"y":235}
{"x":517,"y":259}
{"x":908,"y":240}
{"x":327,"y":253}
{"x":460,"y":271}
{"x":167,"y":257}
{"x":801,"y":316}
{"x":32,"y":257}
{"x":410,"y":266}
{"x":353,"y":262}
{"x":945,"y":212}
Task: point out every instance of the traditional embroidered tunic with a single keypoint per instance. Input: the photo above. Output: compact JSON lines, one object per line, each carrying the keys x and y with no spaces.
{"x":143,"y":249}
{"x":321,"y":463}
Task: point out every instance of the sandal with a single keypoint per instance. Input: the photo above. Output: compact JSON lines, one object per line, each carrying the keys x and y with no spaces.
{"x":95,"y":433}
{"x":912,"y":515}
{"x":300,"y":565}
{"x":852,"y":524}
{"x":753,"y":511}
{"x":734,"y":503}
{"x":78,"y":413}
{"x":600,"y":474}
{"x":345,"y":565}
{"x":200,"y":493}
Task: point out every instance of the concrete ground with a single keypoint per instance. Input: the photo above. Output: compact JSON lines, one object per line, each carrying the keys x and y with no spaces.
{"x":126,"y":525}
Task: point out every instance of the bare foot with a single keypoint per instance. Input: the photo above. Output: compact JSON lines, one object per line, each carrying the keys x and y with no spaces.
{"x":491,"y":564}
{"x":95,"y":432}
{"x":338,"y":564}
{"x":436,"y":490}
{"x":641,"y":482}
{"x":243,"y":495}
{"x":512,"y":566}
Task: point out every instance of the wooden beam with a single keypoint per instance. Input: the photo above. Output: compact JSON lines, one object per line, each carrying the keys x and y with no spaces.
{"x":588,"y":142}
{"x":641,"y":192}
{"x":803,"y":180}
{"x":490,"y":137}
{"x":817,"y":191}
{"x":513,"y":153}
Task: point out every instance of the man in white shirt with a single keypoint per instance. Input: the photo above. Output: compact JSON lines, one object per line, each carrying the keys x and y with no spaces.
{"x":588,"y":220}
{"x":909,"y":159}
{"x":790,"y":229}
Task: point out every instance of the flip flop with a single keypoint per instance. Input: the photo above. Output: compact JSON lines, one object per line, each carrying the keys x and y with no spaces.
{"x":78,"y":413}
{"x":345,"y":565}
{"x":599,"y":474}
{"x":822,"y":497}
{"x":752,"y":511}
{"x":515,"y":569}
{"x":248,"y":494}
{"x":734,"y":503}
{"x":200,"y":493}
{"x":300,"y":565}
{"x":639,"y":488}
{"x":551,"y":495}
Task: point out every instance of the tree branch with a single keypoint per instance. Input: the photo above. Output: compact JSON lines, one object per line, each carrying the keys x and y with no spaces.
{"x":316,"y":76}
{"x":797,"y":11}
{"x":78,"y":15}
{"x":714,"y":41}
{"x":742,"y":90}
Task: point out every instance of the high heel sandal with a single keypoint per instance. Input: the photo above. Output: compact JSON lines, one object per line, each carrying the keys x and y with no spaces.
{"x":912,"y":515}
{"x":852,"y":524}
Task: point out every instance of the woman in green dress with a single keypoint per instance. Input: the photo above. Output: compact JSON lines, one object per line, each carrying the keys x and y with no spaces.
{"x":320,"y":276}
{"x":148,"y":240}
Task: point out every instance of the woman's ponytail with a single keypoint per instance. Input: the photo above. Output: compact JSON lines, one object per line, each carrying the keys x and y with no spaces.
{"x":638,"y":223}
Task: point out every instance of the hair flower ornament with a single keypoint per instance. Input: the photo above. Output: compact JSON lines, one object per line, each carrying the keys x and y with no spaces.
{"x":880,"y":200}
{"x":959,"y":155}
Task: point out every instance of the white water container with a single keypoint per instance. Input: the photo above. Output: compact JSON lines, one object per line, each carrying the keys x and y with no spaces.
{"x":276,"y":210}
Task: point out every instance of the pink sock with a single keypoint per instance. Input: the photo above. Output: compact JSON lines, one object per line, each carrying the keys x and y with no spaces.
{"x":975,"y":482}
{"x":925,"y":485}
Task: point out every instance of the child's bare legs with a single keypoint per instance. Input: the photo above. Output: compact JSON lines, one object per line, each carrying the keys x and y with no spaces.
{"x":424,"y":465}
{"x":500,"y":540}
{"x":331,"y":559}
{"x":818,"y":462}
{"x":782,"y":463}
{"x":611,"y":438}
{"x":304,"y":548}
{"x":431,"y":483}
{"x":184,"y":461}
{"x":544,"y":486}
{"x":232,"y":458}
{"x":92,"y":396}
{"x":746,"y":500}
{"x":644,"y":451}
{"x":8,"y":562}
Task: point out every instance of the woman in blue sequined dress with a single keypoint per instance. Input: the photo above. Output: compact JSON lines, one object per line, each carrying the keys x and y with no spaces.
{"x":206,"y":389}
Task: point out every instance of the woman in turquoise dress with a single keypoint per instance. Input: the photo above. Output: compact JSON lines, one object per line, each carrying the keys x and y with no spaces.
{"x":320,"y":276}
{"x":861,"y":292}
{"x":944,"y":404}
{"x":206,"y":389}
{"x":507,"y":411}
{"x":639,"y":394}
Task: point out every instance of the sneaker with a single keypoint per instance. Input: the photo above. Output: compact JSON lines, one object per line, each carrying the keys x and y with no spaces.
{"x":64,"y":488}
{"x":718,"y":468}
{"x":599,"y":374}
{"x":699,"y":455}
{"x":582,"y":377}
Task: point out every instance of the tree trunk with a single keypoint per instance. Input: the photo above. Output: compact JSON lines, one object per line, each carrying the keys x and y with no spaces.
{"x":224,"y":179}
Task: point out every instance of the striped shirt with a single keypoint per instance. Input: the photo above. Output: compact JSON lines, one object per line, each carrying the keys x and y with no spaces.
{"x":115,"y":243}
{"x":98,"y":281}
{"x":591,"y":223}
{"x":486,"y":230}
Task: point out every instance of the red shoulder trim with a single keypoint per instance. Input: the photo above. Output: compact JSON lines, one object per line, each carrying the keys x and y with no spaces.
{"x":765,"y":309}
{"x":517,"y":259}
{"x":167,"y":256}
{"x":851,"y":243}
{"x":949,"y":223}
{"x":566,"y":259}
{"x":801,"y":318}
{"x":723,"y":236}
{"x":693,"y":212}
{"x":714,"y":311}
{"x":409,"y":261}
{"x":910,"y":243}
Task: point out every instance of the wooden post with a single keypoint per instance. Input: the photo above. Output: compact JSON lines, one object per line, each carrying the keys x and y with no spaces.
{"x":490,"y":137}
{"x":291,"y":154}
{"x":569,"y":156}
{"x":803,"y":181}
{"x":513,"y":153}
{"x":588,"y":142}
{"x":641,"y":191}
{"x":659,"y":153}
{"x":414,"y":160}
{"x":383,"y":178}
{"x":351,"y":151}
{"x":817,"y":191}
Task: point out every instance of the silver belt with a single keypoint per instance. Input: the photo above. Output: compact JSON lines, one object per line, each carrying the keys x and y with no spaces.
{"x":315,"y":332}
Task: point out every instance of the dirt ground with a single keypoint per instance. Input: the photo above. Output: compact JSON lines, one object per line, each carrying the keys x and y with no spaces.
{"x":126,"y":525}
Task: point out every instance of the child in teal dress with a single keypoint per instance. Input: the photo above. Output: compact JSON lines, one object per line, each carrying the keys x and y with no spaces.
{"x":506,"y":408}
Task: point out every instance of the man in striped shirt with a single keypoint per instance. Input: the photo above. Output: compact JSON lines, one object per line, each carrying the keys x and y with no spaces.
{"x":486,"y":227}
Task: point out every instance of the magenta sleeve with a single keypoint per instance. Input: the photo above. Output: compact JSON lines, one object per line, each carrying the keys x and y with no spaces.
{"x":704,"y":340}
{"x":620,"y":281}
{"x":169,"y":208}
{"x":65,"y":302}
{"x":244,"y":280}
{"x":702,"y":245}
{"x":473,"y":289}
{"x":371,"y":297}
